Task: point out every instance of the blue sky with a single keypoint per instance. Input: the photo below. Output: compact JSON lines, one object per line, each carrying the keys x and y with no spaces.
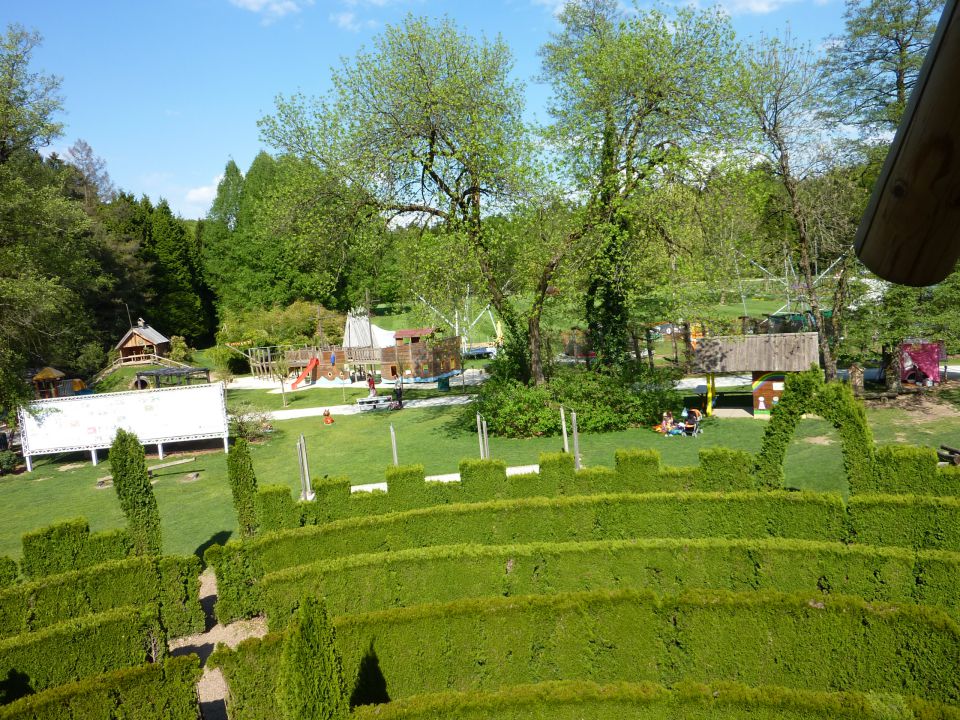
{"x":167,"y":91}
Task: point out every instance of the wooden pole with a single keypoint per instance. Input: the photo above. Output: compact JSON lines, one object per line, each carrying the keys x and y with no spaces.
{"x":393,"y":442}
{"x":576,"y":441}
{"x":563,"y":423}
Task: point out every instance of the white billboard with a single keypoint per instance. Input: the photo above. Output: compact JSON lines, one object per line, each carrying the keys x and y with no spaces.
{"x":90,"y":422}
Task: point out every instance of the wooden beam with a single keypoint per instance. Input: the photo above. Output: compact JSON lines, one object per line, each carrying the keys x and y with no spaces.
{"x":910,"y":233}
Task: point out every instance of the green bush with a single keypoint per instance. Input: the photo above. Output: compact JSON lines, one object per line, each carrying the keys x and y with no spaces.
{"x":132,"y":483}
{"x":722,"y":469}
{"x":514,"y":409}
{"x":483,"y":479}
{"x":797,"y":641}
{"x":906,"y":469}
{"x":678,"y":515}
{"x":179,"y":595}
{"x":906,"y":521}
{"x":379,"y":581}
{"x":243,"y":487}
{"x":276,"y":509}
{"x":556,"y":473}
{"x":8,"y":571}
{"x":146,"y":692}
{"x":78,"y":648}
{"x":578,"y":699}
{"x":69,"y":546}
{"x":638,"y":470}
{"x":310,"y":685}
{"x":8,"y":461}
{"x":250,"y":672}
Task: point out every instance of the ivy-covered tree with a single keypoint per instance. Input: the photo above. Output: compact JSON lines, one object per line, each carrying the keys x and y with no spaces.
{"x":243,"y":486}
{"x":132,"y":483}
{"x":311,"y":684}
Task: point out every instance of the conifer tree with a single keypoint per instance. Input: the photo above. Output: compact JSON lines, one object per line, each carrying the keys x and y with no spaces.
{"x":311,"y":685}
{"x":132,"y":483}
{"x":243,"y":485}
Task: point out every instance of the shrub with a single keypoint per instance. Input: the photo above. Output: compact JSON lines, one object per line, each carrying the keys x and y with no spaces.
{"x":906,"y":521}
{"x":135,"y":493}
{"x":577,"y":699}
{"x":243,"y":487}
{"x":158,"y":690}
{"x":69,"y":546}
{"x":179,"y":595}
{"x":180,"y":350}
{"x":310,"y":684}
{"x":247,"y":422}
{"x":8,"y":461}
{"x":798,"y":393}
{"x":276,"y":509}
{"x":723,"y":469}
{"x":8,"y":571}
{"x":77,"y":648}
{"x":797,"y":641}
{"x":402,"y":578}
{"x":905,"y":469}
{"x":638,"y":469}
{"x":513,"y":409}
{"x":239,"y":566}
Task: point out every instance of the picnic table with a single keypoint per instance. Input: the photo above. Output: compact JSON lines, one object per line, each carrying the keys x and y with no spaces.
{"x":377,"y":402}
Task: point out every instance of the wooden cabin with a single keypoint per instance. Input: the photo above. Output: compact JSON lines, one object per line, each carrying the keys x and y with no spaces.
{"x":140,"y":343}
{"x":418,"y":356}
{"x":767,"y":357}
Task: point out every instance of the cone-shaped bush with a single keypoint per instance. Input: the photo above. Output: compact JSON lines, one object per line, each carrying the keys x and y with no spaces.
{"x":243,"y":485}
{"x":132,"y":483}
{"x":311,"y":685}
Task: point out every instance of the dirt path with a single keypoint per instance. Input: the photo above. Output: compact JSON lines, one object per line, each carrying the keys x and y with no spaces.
{"x":211,"y":688}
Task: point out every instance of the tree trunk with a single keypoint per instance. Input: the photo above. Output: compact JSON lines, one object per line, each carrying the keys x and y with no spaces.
{"x":650,"y":347}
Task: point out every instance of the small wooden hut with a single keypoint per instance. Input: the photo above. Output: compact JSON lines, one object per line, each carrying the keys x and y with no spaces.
{"x":767,"y":357}
{"x":140,"y":343}
{"x":418,"y":355}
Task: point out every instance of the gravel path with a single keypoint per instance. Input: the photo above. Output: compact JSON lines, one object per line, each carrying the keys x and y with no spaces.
{"x":212,"y":688}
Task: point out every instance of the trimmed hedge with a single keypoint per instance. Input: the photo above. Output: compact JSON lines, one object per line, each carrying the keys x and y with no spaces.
{"x":9,"y":570}
{"x":146,"y":692}
{"x":70,"y":546}
{"x":365,"y":583}
{"x":172,"y":582}
{"x":597,"y":517}
{"x":909,"y":470}
{"x":906,"y":521}
{"x":822,"y":644}
{"x":578,"y":699}
{"x":484,"y":480}
{"x":78,"y":648}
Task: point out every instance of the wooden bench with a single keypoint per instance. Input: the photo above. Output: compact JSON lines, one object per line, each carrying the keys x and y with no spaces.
{"x":379,"y":402}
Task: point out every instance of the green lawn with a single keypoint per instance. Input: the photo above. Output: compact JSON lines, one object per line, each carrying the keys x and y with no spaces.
{"x":326,"y":397}
{"x":358,"y":446}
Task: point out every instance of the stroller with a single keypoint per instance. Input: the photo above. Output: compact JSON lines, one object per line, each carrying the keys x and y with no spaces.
{"x":691,"y":423}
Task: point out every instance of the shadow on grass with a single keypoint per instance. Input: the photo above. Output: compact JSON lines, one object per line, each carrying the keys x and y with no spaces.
{"x":17,"y":685}
{"x":371,"y":686}
{"x":218,"y":538}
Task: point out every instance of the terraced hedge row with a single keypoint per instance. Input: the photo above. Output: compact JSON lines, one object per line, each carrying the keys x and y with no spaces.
{"x":575,"y":700}
{"x":821,"y":644}
{"x":170,"y":582}
{"x":70,"y":546}
{"x":365,"y":583}
{"x":484,"y":480}
{"x":78,"y":648}
{"x":146,"y":692}
{"x":239,"y":566}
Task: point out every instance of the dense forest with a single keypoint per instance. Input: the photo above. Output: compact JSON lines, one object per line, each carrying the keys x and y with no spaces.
{"x":680,"y":165}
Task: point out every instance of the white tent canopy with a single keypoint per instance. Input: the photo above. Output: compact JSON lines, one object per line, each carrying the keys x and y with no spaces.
{"x":356,"y":333}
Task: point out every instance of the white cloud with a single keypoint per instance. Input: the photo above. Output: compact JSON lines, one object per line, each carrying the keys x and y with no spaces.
{"x":554,"y":6}
{"x":197,"y":200}
{"x":272,"y":9}
{"x":348,"y":20}
{"x":754,"y":7}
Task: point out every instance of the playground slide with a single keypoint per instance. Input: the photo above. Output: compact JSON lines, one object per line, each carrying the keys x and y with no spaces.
{"x":314,"y":362}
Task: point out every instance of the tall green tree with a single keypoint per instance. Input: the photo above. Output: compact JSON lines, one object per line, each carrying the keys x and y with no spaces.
{"x":874,"y":64}
{"x":132,"y":483}
{"x":429,"y":124}
{"x":311,"y":684}
{"x":243,"y":487}
{"x":639,"y":98}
